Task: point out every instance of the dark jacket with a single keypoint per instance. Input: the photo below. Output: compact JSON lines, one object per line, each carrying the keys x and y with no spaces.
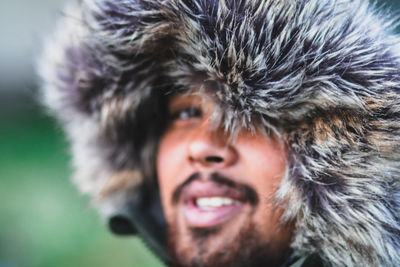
{"x":322,"y":74}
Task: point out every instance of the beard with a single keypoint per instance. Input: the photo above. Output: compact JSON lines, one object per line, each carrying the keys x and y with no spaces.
{"x":236,"y":243}
{"x":246,"y":249}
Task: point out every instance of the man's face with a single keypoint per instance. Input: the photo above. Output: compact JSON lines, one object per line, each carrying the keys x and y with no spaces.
{"x":217,"y":193}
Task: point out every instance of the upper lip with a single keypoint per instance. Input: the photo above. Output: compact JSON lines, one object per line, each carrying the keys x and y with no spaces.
{"x":198,"y":189}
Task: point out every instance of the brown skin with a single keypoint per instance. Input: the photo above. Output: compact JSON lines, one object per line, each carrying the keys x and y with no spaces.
{"x":251,"y":162}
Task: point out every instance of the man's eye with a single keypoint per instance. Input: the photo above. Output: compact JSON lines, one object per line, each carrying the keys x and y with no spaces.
{"x":186,"y":113}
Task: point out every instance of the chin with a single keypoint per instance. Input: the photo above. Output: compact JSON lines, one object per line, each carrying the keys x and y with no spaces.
{"x":231,"y":244}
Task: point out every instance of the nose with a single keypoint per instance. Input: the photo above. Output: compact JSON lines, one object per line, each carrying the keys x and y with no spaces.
{"x":209,"y":148}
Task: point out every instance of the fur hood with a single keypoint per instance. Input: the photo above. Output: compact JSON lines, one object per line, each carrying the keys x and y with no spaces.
{"x":322,"y":74}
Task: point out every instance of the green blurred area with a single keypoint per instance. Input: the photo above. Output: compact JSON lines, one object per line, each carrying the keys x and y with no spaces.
{"x":44,"y":221}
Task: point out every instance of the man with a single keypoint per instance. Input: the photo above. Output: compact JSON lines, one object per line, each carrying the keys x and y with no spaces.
{"x":216,"y":194}
{"x":268,"y":130}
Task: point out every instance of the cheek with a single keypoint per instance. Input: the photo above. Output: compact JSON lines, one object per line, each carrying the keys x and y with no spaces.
{"x":169,"y":161}
{"x":267,"y":164}
{"x":264,"y":164}
{"x":265,"y":158}
{"x":270,"y":162}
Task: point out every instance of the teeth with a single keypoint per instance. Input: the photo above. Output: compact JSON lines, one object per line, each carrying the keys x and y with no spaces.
{"x":214,"y":202}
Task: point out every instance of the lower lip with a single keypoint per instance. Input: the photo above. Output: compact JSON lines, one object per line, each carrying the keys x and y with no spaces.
{"x":200,"y":218}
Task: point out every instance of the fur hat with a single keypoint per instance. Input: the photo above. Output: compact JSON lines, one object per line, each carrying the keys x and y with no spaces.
{"x":322,"y":74}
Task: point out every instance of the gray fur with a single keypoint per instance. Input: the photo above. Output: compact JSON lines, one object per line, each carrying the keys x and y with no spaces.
{"x":323,"y":74}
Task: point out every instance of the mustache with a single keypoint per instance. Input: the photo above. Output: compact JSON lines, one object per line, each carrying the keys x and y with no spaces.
{"x":250,"y":194}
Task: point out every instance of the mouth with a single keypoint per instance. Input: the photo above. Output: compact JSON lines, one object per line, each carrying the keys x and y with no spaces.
{"x":208,"y":204}
{"x":217,"y":210}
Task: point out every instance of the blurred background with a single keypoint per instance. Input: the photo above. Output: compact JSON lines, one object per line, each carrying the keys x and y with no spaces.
{"x":44,"y":221}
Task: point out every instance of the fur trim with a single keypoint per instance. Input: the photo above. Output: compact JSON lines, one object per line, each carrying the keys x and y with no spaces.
{"x":324,"y":74}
